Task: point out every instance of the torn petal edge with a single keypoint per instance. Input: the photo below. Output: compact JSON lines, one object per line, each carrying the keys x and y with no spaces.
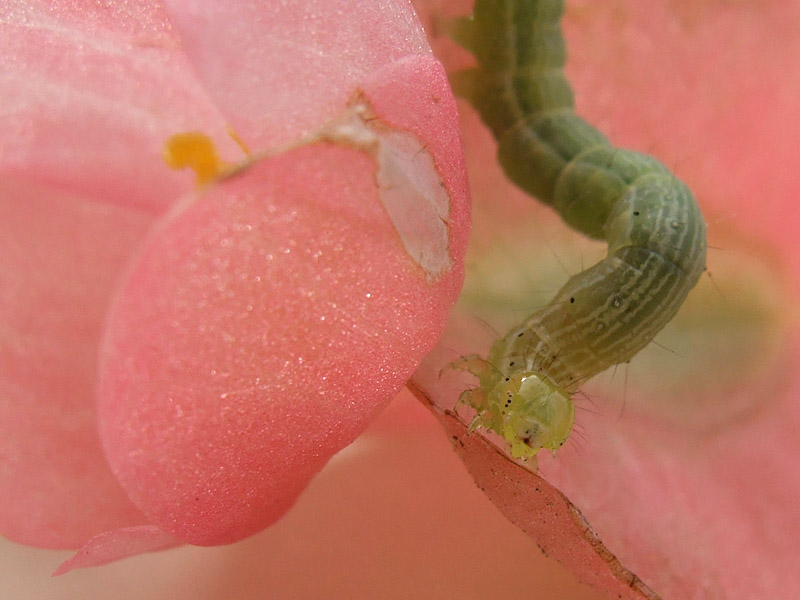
{"x":408,"y":183}
{"x":409,"y":186}
{"x":501,"y":479}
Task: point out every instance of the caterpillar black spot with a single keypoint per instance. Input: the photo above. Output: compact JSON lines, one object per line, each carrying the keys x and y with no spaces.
{"x":655,"y":232}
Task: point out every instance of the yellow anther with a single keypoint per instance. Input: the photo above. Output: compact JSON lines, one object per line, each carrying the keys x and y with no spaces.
{"x":196,"y":151}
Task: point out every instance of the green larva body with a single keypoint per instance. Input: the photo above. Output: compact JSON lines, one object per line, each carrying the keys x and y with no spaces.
{"x":650,"y":220}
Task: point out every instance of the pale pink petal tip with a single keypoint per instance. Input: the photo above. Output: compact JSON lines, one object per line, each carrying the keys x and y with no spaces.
{"x":118,"y":544}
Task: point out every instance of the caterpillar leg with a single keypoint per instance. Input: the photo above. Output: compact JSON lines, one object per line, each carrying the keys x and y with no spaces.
{"x":471,"y":363}
{"x":475,"y":399}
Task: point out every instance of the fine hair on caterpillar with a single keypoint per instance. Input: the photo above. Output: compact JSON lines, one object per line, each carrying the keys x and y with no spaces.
{"x":650,"y":220}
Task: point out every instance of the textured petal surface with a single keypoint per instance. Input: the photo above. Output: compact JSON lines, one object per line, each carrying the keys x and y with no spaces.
{"x":248,"y":346}
{"x":267,"y":321}
{"x":696,"y":507}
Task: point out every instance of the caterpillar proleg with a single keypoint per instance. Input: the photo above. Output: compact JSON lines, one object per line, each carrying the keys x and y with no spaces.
{"x":654,"y":229}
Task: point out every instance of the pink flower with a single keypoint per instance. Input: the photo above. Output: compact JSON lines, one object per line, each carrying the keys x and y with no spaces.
{"x":692,"y":485}
{"x":231,"y":339}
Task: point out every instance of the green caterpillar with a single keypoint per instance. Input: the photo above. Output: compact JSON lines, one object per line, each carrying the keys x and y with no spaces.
{"x":654,"y":229}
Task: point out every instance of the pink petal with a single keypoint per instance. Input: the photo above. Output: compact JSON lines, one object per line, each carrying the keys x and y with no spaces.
{"x":97,"y":87}
{"x":55,"y":487}
{"x":231,"y":489}
{"x":541,"y":511}
{"x":260,"y":331}
{"x":116,"y":545}
{"x":90,"y":93}
{"x":279,"y":69}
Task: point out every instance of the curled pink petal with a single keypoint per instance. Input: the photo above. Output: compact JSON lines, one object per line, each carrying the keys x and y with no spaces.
{"x":259,"y":332}
{"x":264,"y":325}
{"x":92,"y":94}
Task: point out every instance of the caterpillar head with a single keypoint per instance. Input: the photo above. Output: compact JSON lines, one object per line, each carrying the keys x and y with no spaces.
{"x":531,"y":412}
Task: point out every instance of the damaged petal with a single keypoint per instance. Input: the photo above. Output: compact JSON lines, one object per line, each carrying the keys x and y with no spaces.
{"x":409,"y":185}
